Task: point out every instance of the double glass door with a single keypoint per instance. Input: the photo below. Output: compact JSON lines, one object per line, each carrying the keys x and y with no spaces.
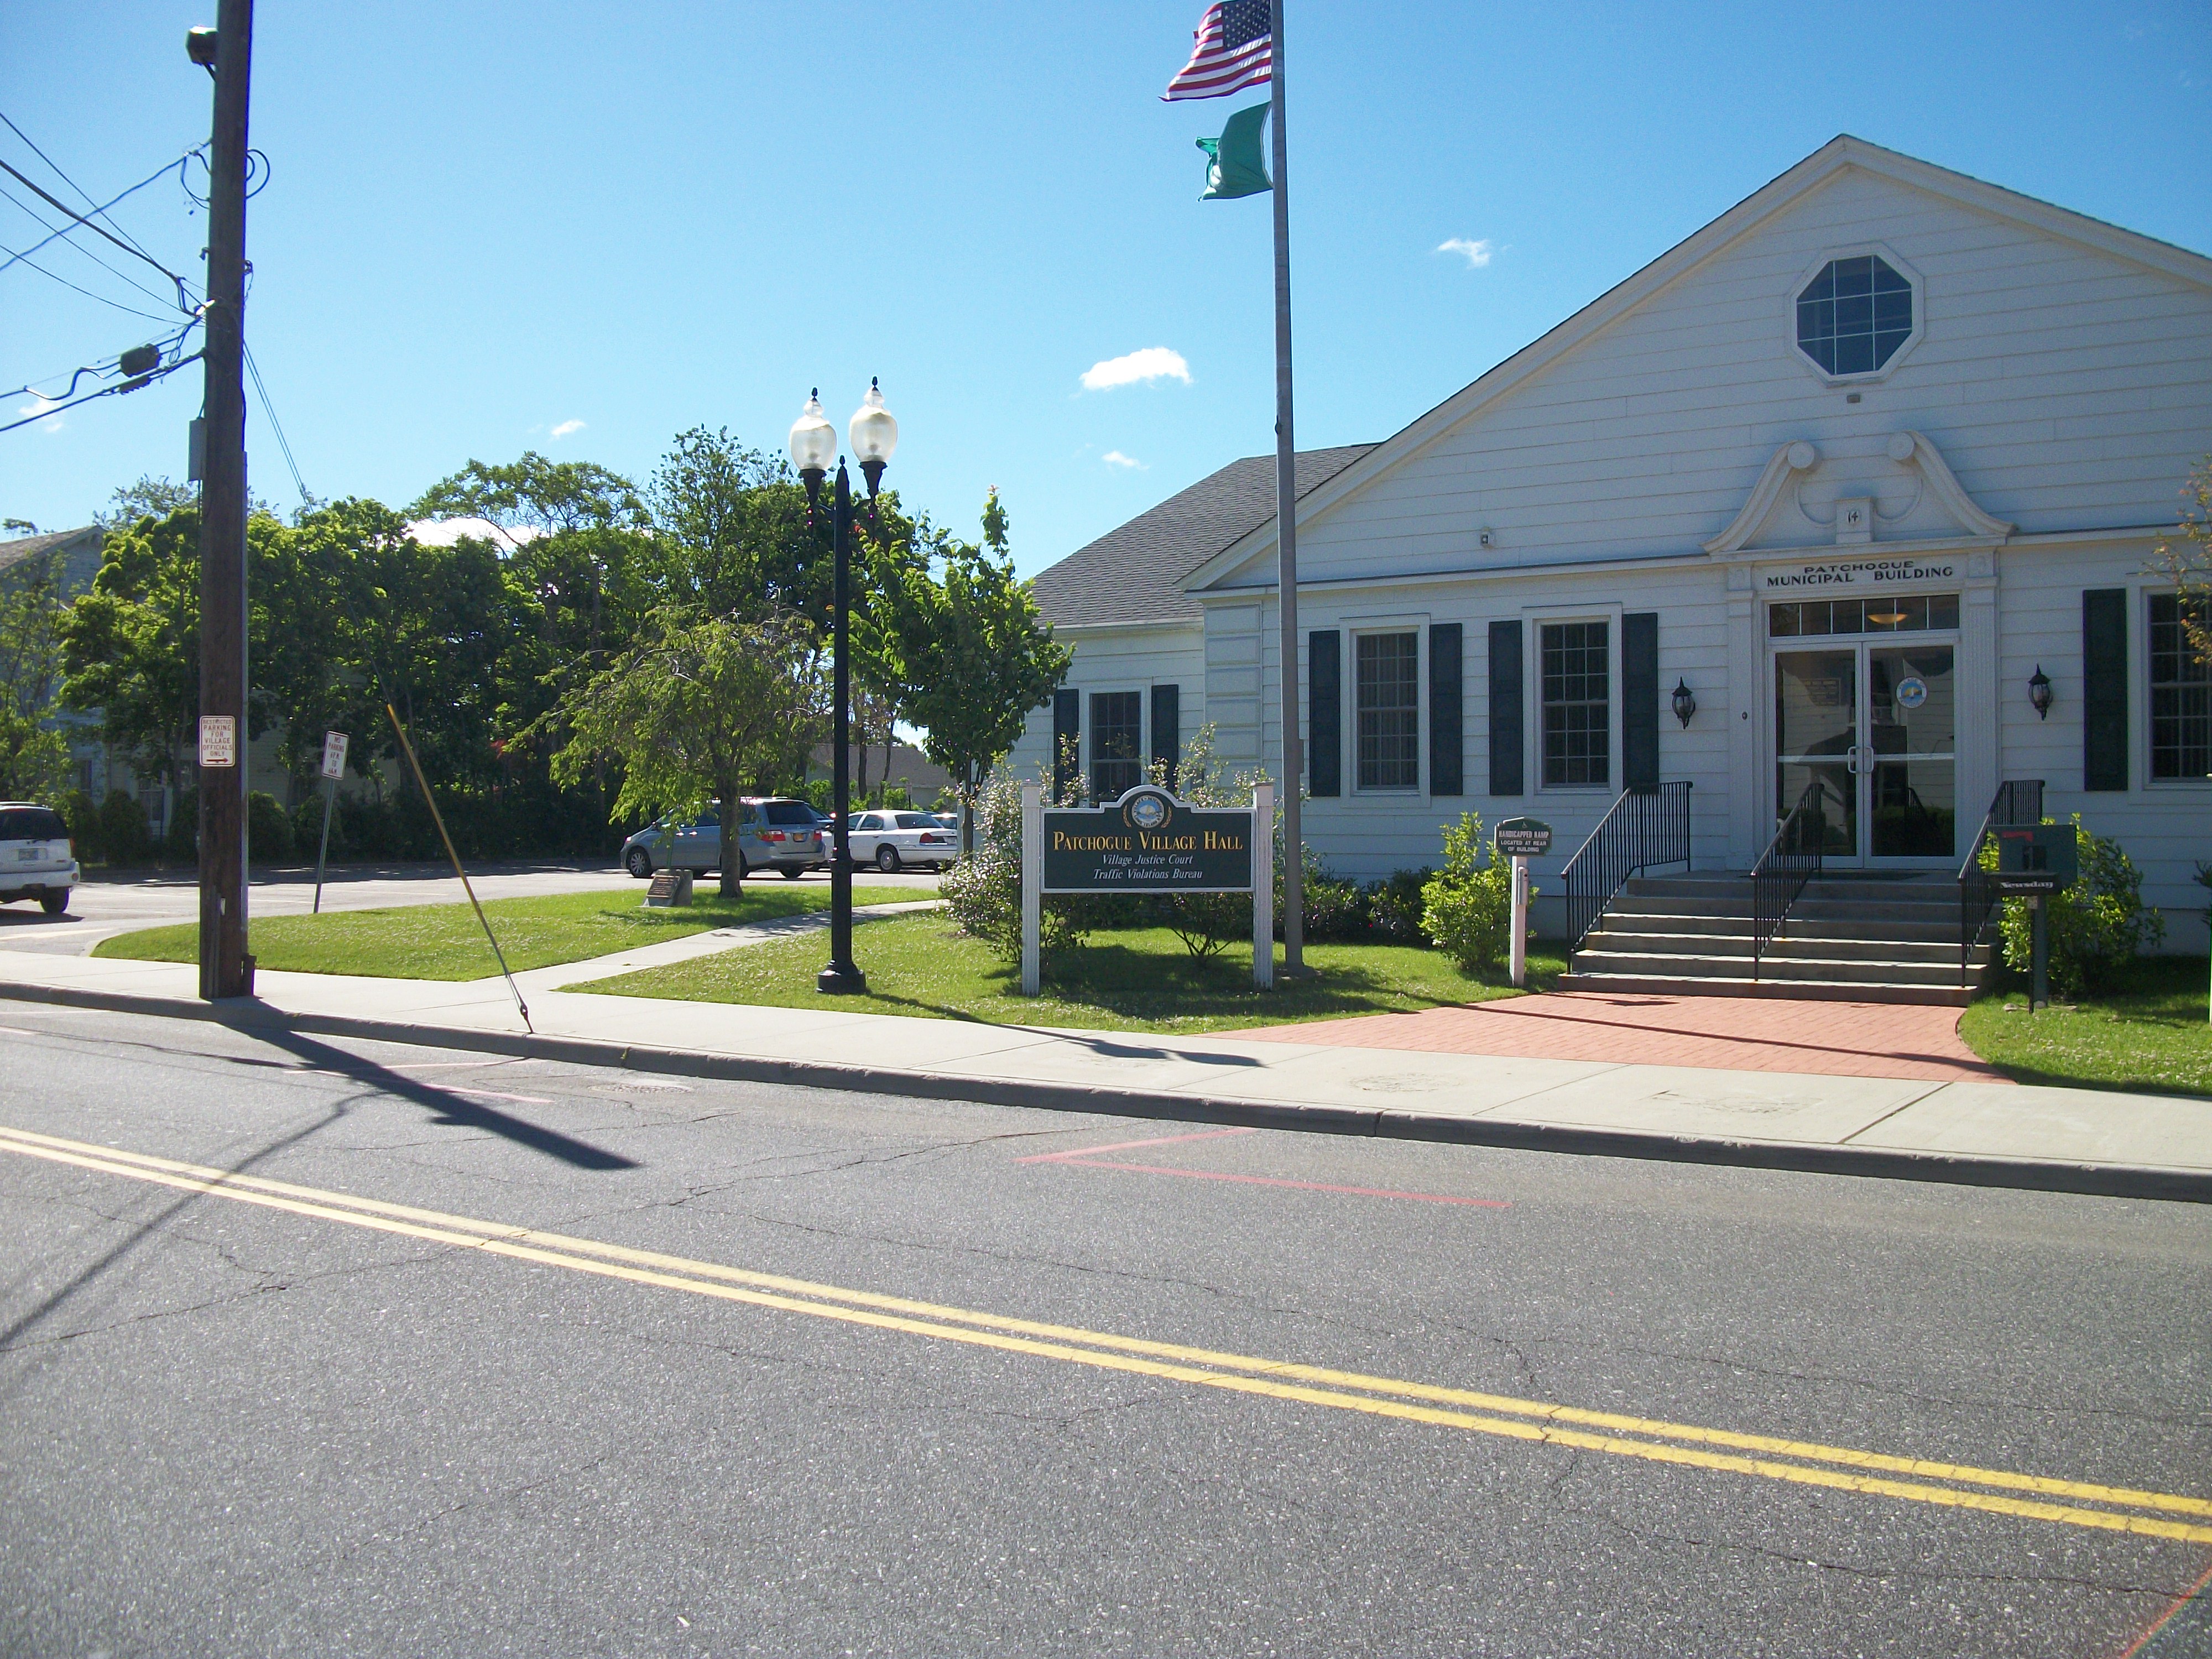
{"x":1868,"y":732}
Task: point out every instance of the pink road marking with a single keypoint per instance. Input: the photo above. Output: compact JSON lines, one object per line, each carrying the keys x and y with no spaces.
{"x":1303,"y":1186}
{"x":1078,"y":1152}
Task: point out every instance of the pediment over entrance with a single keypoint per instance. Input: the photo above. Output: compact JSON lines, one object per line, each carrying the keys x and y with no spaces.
{"x":1901,"y":491}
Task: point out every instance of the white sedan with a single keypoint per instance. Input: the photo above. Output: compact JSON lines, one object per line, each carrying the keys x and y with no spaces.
{"x":890,"y":840}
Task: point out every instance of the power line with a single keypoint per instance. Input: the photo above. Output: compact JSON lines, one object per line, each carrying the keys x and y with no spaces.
{"x":106,"y":365}
{"x":167,"y":167}
{"x":276,"y":425}
{"x":133,"y":385}
{"x":58,"y":172}
{"x":87,"y":293}
{"x":121,"y":276}
{"x":136,"y":253}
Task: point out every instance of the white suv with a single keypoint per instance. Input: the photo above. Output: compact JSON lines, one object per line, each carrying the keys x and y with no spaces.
{"x":35,"y":858}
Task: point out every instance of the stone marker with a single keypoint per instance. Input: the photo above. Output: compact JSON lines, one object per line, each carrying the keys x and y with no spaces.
{"x":669,"y":887}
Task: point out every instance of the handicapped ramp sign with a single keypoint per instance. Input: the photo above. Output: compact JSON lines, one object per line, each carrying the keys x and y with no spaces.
{"x":1523,"y":838}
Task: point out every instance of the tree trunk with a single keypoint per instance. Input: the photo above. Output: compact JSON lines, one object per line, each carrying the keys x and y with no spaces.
{"x":968,"y":812}
{"x":733,"y":812}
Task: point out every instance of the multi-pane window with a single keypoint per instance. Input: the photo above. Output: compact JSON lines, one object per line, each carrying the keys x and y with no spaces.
{"x":1854,"y":315}
{"x":1578,"y":704}
{"x":2181,"y":696}
{"x":1388,"y":689}
{"x":1814,"y":618}
{"x":1117,"y":743}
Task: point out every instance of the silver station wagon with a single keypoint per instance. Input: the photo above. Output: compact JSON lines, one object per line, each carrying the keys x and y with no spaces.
{"x":775,"y":833}
{"x":36,"y":859}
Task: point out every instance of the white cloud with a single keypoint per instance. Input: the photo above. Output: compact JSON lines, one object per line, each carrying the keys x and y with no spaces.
{"x":1116,"y":458}
{"x":567,"y":428}
{"x":444,"y":532}
{"x":1477,"y":254}
{"x":38,"y":405}
{"x":1152,"y":363}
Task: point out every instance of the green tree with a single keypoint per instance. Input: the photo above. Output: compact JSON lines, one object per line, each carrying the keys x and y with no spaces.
{"x":700,"y":707}
{"x":967,"y":653}
{"x":33,"y":754}
{"x":2184,"y":558}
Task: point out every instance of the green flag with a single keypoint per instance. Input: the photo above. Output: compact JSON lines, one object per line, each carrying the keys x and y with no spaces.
{"x":1235,"y":165}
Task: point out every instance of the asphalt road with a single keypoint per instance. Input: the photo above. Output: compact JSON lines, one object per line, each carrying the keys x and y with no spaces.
{"x":102,"y":907}
{"x":797,"y":1373}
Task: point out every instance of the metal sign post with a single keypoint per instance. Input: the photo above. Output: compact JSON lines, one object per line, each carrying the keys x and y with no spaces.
{"x":333,"y":768}
{"x":1517,"y":839}
{"x":1263,"y":886}
{"x":2034,"y":861}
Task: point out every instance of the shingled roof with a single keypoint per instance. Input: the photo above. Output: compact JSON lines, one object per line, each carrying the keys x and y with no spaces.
{"x":1134,"y":574}
{"x":79,"y":551}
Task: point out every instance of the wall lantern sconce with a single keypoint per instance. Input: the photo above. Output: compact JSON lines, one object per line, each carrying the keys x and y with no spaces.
{"x":2039,"y":692}
{"x":1685,"y":704}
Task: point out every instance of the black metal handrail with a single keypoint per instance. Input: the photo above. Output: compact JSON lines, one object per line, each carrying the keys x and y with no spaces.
{"x":1792,"y":859}
{"x":2018,"y":800}
{"x":1645,"y":827}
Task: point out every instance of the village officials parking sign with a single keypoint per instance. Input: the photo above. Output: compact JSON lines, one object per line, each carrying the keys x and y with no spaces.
{"x":1147,"y":841}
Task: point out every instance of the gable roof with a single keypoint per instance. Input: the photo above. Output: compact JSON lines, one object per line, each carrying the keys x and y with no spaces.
{"x":79,"y":550}
{"x":1839,"y":154}
{"x":1135,"y":572}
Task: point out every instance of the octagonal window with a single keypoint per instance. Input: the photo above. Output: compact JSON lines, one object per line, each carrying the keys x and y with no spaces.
{"x":1854,"y":315}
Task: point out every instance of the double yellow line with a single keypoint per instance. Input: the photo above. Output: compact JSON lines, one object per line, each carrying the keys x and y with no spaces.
{"x":2074,"y":1503}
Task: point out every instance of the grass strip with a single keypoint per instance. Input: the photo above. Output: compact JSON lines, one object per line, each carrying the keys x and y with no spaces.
{"x":2148,"y":1033}
{"x":1141,"y":979}
{"x":443,"y":942}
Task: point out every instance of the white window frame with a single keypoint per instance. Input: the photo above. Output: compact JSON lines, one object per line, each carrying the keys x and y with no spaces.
{"x":1108,"y":688}
{"x":2139,"y":684}
{"x":1889,"y":256}
{"x":1349,"y":698}
{"x":1534,"y":622}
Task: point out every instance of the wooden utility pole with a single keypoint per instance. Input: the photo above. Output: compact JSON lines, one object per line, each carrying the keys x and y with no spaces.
{"x":226,"y":970}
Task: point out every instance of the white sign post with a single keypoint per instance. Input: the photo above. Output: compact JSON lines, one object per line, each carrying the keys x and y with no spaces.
{"x":333,"y":768}
{"x":1515,"y":838}
{"x":1032,"y":887}
{"x":1520,"y":920}
{"x":1263,"y":886}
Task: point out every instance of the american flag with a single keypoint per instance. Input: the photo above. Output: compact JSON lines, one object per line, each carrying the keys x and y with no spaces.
{"x":1233,"y":48}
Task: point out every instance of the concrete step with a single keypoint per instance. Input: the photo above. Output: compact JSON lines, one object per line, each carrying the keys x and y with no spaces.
{"x":1952,"y":996}
{"x":1626,"y":922}
{"x":1877,"y":971}
{"x":1786,"y":947}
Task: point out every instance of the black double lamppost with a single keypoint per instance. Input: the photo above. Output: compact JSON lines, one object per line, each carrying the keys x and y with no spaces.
{"x":813,"y":447}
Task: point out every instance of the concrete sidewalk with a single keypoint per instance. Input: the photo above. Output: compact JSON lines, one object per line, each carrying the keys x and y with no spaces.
{"x":1912,"y":1128}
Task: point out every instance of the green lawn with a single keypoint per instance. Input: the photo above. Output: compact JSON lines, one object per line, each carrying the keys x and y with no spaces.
{"x":2151,"y":1033}
{"x":443,"y":941}
{"x":1137,"y":980}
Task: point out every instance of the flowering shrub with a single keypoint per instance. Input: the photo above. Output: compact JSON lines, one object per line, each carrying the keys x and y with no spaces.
{"x":1468,"y":907}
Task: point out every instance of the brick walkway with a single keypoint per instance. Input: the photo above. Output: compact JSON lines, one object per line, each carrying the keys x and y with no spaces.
{"x":1747,"y":1034}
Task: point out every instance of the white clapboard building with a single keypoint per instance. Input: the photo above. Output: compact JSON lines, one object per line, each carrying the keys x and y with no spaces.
{"x":1846,"y":470}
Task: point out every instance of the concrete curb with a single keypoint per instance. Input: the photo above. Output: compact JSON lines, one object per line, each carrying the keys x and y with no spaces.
{"x":2032,"y":1175}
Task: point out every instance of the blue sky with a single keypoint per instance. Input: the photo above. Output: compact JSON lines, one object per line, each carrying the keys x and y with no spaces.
{"x":491,"y":227}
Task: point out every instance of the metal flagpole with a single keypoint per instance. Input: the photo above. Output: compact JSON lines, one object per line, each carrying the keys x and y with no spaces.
{"x":1286,"y":538}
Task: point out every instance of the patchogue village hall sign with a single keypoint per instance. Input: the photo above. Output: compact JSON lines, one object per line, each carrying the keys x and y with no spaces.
{"x":1148,"y":842}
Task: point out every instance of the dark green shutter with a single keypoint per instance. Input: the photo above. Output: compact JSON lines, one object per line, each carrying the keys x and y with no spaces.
{"x":1167,"y":730}
{"x":1067,"y":739}
{"x":1505,"y":711}
{"x":1639,"y":700}
{"x":1324,"y":712}
{"x":2105,"y":688}
{"x":1447,"y":772}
